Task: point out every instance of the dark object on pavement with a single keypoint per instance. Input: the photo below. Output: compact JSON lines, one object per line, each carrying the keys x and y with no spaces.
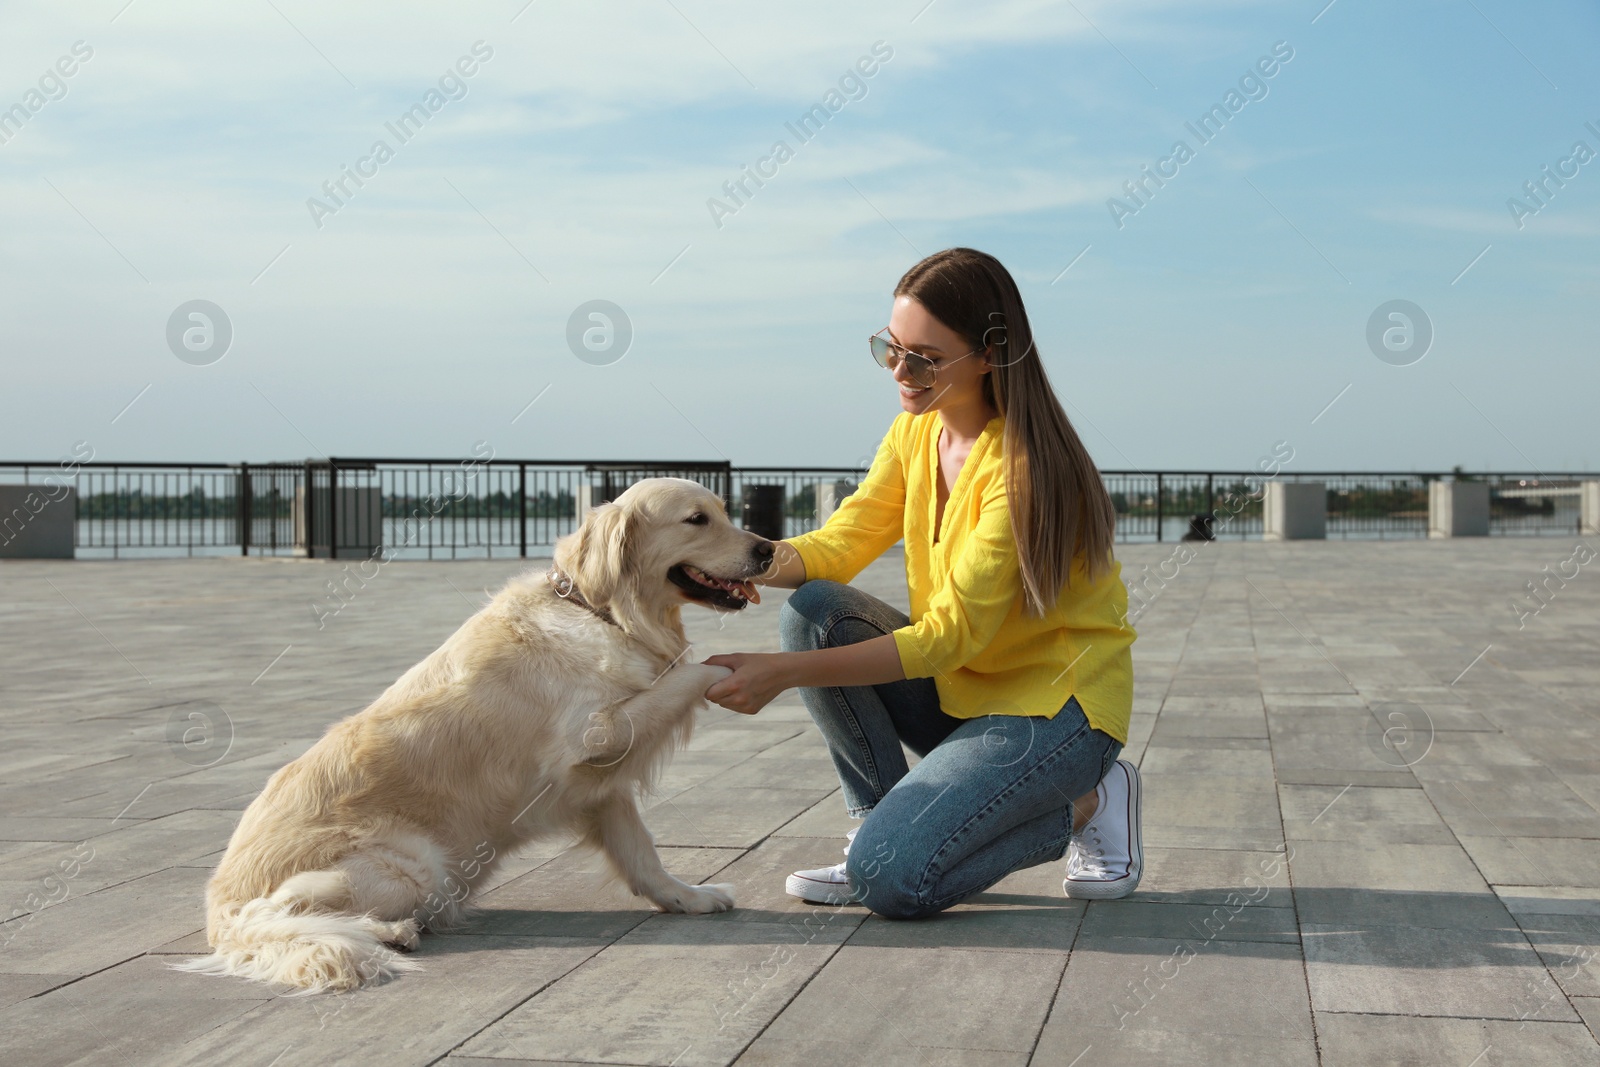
{"x":1200,"y":529}
{"x":763,"y":510}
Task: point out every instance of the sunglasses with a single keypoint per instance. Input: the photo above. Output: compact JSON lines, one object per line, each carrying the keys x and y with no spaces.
{"x":919,"y":368}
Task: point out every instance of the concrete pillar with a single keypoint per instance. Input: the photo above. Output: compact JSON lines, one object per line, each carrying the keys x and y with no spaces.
{"x":360,"y":525}
{"x":588,"y":497}
{"x":1295,"y":511}
{"x":1589,"y":503}
{"x":827,"y":502}
{"x":1458,"y":509}
{"x":829,"y":497}
{"x":37,"y":520}
{"x":360,"y":521}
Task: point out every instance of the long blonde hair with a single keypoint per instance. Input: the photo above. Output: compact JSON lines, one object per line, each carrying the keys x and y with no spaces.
{"x":1060,"y":510}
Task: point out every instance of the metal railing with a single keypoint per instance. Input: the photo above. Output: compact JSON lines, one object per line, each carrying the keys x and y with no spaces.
{"x":1159,"y":506}
{"x":139,"y":509}
{"x":441,"y":508}
{"x":429,"y":509}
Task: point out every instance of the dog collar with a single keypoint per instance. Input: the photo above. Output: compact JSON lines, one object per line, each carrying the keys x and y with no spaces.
{"x":567,"y":590}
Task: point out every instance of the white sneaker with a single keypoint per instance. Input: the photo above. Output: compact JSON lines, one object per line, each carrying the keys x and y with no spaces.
{"x":1106,"y":857}
{"x":823,"y":885}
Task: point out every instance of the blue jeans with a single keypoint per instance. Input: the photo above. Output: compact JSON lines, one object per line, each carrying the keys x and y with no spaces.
{"x":990,"y":796}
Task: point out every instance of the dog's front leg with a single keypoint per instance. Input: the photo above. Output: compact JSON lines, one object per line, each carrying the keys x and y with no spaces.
{"x":640,"y":721}
{"x":632,"y":854}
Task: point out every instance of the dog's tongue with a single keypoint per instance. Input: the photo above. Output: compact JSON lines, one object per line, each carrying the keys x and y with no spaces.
{"x":751,"y":592}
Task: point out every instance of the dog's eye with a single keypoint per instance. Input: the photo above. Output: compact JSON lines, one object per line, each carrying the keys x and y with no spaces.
{"x":698,"y":519}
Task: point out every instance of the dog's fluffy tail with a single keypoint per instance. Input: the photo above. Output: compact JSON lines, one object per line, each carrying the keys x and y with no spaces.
{"x":267,"y":940}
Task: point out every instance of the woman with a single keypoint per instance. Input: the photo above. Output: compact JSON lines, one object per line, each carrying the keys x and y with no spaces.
{"x":1012,"y":679}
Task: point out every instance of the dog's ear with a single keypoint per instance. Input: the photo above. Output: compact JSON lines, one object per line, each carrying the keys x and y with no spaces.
{"x":597,"y":560}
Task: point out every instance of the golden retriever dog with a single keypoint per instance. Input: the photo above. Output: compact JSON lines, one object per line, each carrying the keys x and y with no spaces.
{"x":547,"y":712}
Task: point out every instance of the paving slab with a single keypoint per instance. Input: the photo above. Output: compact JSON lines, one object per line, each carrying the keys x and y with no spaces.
{"x":1563,"y":925}
{"x":1401,"y":779}
{"x":1216,"y":799}
{"x":1512,"y":808}
{"x":15,"y":987}
{"x":1215,"y":876}
{"x":670,"y":992}
{"x":89,"y":933}
{"x":1155,"y":1000}
{"x":466,"y":984}
{"x":139,"y":1012}
{"x":715,"y":816}
{"x":1349,"y":883}
{"x":872,"y":1003}
{"x":1241,"y":757}
{"x":824,"y":819}
{"x":1589,"y":1008}
{"x":1361,"y":814}
{"x":1354,"y":1040}
{"x":1234,"y":918}
{"x":1535,"y":861}
{"x":1409,"y":970}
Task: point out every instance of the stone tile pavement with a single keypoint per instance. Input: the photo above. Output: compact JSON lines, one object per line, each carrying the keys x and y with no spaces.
{"x":1371,"y":823}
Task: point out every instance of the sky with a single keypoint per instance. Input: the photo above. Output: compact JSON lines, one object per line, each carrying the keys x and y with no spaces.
{"x":578,"y":152}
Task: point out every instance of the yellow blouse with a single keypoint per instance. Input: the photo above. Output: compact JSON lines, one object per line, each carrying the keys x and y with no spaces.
{"x":968,"y":632}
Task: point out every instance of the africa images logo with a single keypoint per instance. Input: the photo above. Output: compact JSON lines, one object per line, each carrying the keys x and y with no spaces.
{"x":1207,"y":128}
{"x":52,"y":86}
{"x":852,"y":86}
{"x":451,"y":86}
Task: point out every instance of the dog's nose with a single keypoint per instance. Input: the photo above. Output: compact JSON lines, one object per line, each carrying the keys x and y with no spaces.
{"x":764,"y":551}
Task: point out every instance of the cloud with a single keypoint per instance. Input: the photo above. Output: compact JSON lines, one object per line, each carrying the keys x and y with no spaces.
{"x":588,"y":147}
{"x":1551,"y":222}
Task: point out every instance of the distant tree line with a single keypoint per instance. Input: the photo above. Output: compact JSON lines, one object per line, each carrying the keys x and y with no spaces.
{"x":1186,"y":497}
{"x":496,"y":505}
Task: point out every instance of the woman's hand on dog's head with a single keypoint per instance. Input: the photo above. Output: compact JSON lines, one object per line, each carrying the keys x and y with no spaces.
{"x":757,"y":678}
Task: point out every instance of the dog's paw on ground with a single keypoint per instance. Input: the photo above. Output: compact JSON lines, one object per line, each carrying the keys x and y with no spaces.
{"x":706,"y":899}
{"x":697,"y":899}
{"x":404,"y":935}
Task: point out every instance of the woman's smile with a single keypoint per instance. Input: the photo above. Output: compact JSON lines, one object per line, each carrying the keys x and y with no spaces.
{"x":928,"y":348}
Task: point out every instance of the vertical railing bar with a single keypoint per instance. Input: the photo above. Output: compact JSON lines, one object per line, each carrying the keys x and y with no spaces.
{"x":1158,"y":505}
{"x":243,"y":492}
{"x":333,"y":509}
